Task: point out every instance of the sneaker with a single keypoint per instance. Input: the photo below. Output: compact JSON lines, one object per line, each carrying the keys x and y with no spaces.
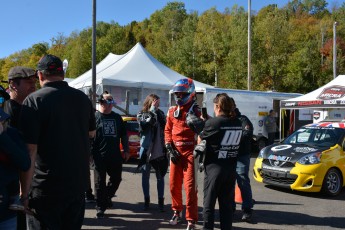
{"x":247,"y":215}
{"x":16,"y":205}
{"x":90,"y":198}
{"x":191,"y":225}
{"x":175,"y":218}
{"x":100,"y":214}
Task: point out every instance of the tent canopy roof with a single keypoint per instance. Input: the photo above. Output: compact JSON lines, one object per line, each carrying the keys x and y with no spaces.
{"x":137,"y":68}
{"x":330,"y":95}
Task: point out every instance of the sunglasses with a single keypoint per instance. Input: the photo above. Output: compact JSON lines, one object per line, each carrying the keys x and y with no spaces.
{"x":109,"y":101}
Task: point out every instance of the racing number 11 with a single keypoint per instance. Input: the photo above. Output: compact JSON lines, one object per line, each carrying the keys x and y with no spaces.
{"x":232,"y":137}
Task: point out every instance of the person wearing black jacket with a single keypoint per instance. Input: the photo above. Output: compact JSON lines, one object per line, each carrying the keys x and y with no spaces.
{"x":222,"y":135}
{"x":151,"y":126}
{"x":242,"y":167}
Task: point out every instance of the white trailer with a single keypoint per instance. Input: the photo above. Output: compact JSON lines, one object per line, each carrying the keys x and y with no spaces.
{"x":254,"y":104}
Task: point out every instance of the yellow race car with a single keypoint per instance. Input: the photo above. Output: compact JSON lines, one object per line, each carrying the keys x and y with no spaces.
{"x":312,"y":159}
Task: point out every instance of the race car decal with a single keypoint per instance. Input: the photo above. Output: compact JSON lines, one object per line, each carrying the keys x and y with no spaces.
{"x":305,"y":149}
{"x":328,"y":125}
{"x":280,"y":148}
{"x":278,"y":161}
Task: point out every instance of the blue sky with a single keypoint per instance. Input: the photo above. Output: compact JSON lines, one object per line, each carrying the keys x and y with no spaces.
{"x":27,"y":22}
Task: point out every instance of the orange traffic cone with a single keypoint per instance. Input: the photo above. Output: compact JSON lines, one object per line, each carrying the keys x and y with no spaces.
{"x":238,"y":196}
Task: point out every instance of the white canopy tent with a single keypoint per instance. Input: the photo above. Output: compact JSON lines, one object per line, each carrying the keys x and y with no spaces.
{"x":137,"y":71}
{"x":330,"y":95}
{"x":80,"y":81}
{"x":326,"y":102}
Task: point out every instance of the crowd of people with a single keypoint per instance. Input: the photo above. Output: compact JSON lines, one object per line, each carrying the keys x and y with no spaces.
{"x":49,"y":135}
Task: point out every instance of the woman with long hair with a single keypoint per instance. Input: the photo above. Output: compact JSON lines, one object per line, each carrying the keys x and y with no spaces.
{"x":222,"y":135}
{"x":151,"y":126}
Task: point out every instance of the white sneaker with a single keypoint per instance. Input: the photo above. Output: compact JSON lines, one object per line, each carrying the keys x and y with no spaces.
{"x":191,"y":225}
{"x":175,"y":218}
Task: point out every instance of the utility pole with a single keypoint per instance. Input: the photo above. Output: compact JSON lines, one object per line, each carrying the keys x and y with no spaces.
{"x":322,"y":41}
{"x":249,"y":46}
{"x":335,"y":50}
{"x":93,"y":91}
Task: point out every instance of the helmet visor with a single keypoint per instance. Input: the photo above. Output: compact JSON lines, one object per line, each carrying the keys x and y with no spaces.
{"x":180,"y":88}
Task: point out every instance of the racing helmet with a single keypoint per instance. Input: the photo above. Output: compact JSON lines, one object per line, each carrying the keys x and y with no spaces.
{"x":186,"y":87}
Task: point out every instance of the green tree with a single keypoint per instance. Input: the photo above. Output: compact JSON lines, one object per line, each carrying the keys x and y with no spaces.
{"x":271,"y":31}
{"x":210,"y":45}
{"x":234,"y":73}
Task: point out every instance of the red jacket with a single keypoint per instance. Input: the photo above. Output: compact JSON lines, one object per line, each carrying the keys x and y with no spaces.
{"x":176,"y":128}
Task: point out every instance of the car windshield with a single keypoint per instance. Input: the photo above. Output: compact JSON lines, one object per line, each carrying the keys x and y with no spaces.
{"x":317,"y":136}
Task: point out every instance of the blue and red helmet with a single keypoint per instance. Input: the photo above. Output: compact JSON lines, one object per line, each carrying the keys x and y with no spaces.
{"x":184,"y":91}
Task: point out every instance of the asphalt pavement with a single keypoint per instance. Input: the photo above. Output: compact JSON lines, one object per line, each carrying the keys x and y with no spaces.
{"x":274,"y":208}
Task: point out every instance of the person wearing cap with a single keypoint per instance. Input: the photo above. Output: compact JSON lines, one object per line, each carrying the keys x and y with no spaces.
{"x":21,"y":82}
{"x":14,"y":157}
{"x":106,"y":153}
{"x":61,"y":122}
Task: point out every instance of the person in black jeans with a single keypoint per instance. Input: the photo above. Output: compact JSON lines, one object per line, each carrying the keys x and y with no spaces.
{"x":57,"y":122}
{"x":222,"y":135}
{"x":110,"y":131}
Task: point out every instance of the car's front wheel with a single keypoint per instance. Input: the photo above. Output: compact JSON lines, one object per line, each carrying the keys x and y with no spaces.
{"x":332,"y":183}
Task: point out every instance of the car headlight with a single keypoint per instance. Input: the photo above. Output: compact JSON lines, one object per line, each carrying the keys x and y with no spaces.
{"x":310,"y":159}
{"x":261,"y":153}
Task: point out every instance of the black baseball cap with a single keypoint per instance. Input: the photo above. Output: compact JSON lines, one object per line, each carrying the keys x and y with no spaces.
{"x":50,"y":64}
{"x":21,"y":72}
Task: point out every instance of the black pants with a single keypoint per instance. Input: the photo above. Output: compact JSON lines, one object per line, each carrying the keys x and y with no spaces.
{"x":103,"y":166}
{"x":219,"y":183}
{"x":88,"y":192}
{"x":57,"y":212}
{"x":271,"y":137}
{"x":21,"y":221}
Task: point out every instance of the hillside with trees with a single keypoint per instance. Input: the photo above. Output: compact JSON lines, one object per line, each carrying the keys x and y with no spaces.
{"x":292,"y":46}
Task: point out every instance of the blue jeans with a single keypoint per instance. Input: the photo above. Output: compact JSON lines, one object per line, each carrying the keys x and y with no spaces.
{"x":145,"y":181}
{"x":243,"y":181}
{"x":10,"y":224}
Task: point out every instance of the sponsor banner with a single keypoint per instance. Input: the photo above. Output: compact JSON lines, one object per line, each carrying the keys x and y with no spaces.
{"x":263,"y":114}
{"x":333,"y":92}
{"x":316,"y":115}
{"x":314,"y":103}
